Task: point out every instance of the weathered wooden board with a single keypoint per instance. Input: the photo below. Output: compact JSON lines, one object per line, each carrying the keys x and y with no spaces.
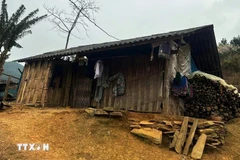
{"x":182,"y":136}
{"x":198,"y":149}
{"x":190,"y":137}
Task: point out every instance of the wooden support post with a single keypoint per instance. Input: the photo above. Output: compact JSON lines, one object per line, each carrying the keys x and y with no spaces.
{"x":6,"y":88}
{"x":190,"y":137}
{"x":166,"y":109}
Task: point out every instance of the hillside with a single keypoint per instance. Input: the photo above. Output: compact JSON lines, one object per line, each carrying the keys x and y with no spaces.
{"x":73,"y":134}
{"x":11,"y":68}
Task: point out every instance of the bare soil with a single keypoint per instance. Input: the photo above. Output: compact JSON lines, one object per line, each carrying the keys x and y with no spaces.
{"x":73,"y":134}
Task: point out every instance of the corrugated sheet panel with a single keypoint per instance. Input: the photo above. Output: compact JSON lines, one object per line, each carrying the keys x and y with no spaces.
{"x":109,"y":45}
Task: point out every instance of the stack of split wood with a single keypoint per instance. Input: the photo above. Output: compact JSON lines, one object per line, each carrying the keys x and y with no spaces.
{"x":210,"y":98}
{"x":183,"y":135}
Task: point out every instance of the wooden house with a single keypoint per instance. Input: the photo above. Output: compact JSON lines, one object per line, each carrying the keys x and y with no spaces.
{"x":51,"y":80}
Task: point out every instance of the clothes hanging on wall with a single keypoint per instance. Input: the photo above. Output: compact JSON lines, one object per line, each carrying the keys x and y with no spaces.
{"x":181,"y":87}
{"x":101,"y":84}
{"x":119,"y":87}
{"x":98,"y":69}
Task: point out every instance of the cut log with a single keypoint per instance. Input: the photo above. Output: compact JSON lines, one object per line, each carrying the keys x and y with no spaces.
{"x":135,"y":126}
{"x":146,"y":123}
{"x":177,"y":122}
{"x":175,"y":136}
{"x":190,"y":137}
{"x":133,"y":120}
{"x":164,"y":127}
{"x":182,"y":136}
{"x":207,"y":131}
{"x":152,"y":134}
{"x":168,"y":123}
{"x":198,"y":149}
{"x":205,"y":124}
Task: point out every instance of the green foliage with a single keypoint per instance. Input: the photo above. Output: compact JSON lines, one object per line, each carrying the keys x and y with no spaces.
{"x":13,"y":29}
{"x":229,"y":54}
{"x":235,"y":41}
{"x":223,"y":41}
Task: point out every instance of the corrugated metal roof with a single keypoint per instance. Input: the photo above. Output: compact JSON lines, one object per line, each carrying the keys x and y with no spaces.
{"x":109,"y":45}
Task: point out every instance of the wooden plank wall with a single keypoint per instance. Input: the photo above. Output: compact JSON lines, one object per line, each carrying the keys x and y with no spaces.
{"x":81,"y":89}
{"x":34,"y":82}
{"x":59,"y":96}
{"x":144,"y":81}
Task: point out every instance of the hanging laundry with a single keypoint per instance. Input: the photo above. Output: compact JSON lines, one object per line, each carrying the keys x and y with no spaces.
{"x":181,"y":87}
{"x":98,"y":69}
{"x":101,"y":85}
{"x":119,"y":87}
{"x":174,"y":46}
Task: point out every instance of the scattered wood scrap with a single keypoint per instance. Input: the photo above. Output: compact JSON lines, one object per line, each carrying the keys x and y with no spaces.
{"x":184,"y":134}
{"x":198,"y":148}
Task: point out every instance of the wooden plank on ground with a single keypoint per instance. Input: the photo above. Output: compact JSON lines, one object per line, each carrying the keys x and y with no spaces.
{"x":175,"y":136}
{"x":197,"y":151}
{"x":182,"y":136}
{"x":190,"y":137}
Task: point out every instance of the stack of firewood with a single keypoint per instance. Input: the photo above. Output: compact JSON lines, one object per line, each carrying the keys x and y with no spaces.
{"x":183,"y":135}
{"x":210,"y":98}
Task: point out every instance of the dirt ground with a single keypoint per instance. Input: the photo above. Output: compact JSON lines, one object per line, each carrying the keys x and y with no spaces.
{"x":73,"y":134}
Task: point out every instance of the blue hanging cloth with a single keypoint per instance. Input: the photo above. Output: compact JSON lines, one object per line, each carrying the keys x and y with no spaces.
{"x":181,"y":87}
{"x":193,"y":66}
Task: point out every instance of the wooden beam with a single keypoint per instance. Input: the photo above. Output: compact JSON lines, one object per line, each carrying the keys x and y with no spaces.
{"x":175,"y":137}
{"x":182,"y":136}
{"x":190,"y":137}
{"x":197,"y":151}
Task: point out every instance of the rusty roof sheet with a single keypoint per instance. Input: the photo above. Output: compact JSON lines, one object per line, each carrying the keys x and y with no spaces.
{"x":109,"y":45}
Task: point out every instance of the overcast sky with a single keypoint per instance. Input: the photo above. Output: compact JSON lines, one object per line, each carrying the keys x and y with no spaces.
{"x":128,"y":19}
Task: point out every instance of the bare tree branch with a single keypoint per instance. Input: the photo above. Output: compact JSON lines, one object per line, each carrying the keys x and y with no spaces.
{"x":67,"y":22}
{"x":86,"y":16}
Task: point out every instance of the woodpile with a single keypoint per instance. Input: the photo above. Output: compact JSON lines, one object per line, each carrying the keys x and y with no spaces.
{"x":188,"y":134}
{"x":211,"y":100}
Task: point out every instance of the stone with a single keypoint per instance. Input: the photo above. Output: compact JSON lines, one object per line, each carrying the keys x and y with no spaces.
{"x":90,"y":111}
{"x":108,"y":109}
{"x":100,"y":112}
{"x":116,"y":114}
{"x":198,"y":148}
{"x":153,"y":135}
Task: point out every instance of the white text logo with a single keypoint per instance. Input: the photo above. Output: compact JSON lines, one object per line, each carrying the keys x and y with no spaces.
{"x":33,"y":147}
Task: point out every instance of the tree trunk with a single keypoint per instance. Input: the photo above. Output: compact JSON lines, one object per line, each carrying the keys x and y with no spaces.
{"x":3,"y":57}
